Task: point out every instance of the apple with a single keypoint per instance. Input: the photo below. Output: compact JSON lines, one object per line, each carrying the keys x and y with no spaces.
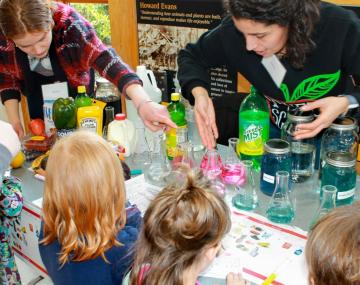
{"x":37,"y":127}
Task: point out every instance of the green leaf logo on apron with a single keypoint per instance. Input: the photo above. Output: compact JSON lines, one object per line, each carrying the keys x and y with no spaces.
{"x":311,"y":88}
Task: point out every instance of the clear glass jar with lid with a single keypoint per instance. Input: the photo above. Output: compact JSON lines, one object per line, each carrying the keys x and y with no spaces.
{"x":342,"y":135}
{"x":302,"y":151}
{"x":339,"y":171}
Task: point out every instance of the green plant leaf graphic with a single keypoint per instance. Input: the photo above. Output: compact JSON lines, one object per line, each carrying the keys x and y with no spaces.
{"x":285,"y":91}
{"x":316,"y":86}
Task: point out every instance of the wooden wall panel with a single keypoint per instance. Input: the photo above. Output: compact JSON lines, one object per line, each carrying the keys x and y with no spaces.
{"x":124,"y":30}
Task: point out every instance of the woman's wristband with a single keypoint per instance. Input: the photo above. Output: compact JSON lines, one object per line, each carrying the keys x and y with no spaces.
{"x":141,"y":104}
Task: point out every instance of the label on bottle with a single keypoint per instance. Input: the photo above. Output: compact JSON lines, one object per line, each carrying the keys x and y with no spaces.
{"x":90,"y":124}
{"x":253,"y":132}
{"x":346,"y":194}
{"x":269,"y":178}
{"x":173,"y":138}
{"x":252,"y":140}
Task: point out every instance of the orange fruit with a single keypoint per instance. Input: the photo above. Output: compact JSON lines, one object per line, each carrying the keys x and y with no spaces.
{"x":18,"y":160}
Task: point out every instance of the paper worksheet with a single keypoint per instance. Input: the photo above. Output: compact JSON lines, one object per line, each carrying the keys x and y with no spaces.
{"x":140,"y":193}
{"x":258,"y":248}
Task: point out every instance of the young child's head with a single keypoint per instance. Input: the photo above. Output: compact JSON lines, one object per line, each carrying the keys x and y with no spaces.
{"x":182,"y":230}
{"x":333,"y":248}
{"x":84,"y":197}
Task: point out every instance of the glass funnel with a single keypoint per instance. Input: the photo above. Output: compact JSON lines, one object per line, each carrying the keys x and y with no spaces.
{"x":281,"y":209}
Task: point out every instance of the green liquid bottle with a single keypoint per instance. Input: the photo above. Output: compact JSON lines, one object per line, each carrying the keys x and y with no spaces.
{"x":254,"y":120}
{"x":82,"y":99}
{"x":176,"y":136}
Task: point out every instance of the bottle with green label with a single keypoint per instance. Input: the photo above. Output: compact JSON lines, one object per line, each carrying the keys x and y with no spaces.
{"x":176,"y":136}
{"x":254,"y":120}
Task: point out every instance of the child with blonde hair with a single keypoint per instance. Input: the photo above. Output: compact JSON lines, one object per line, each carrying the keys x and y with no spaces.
{"x":333,"y":248}
{"x":181,"y":235}
{"x":87,"y":233}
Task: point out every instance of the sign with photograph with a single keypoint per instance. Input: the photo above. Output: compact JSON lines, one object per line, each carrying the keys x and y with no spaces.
{"x":165,"y":27}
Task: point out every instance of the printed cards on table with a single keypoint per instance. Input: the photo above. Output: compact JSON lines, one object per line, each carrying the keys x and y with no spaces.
{"x":262,"y":250}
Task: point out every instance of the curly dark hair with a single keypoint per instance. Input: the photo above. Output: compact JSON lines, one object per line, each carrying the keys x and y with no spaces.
{"x":300,"y":16}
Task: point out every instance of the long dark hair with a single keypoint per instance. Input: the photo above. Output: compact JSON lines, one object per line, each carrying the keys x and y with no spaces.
{"x":300,"y":16}
{"x":181,"y":222}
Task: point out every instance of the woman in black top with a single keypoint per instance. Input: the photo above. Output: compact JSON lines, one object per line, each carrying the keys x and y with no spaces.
{"x":317,"y":43}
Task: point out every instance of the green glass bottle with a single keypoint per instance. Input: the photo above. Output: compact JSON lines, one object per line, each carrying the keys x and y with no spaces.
{"x":176,"y":136}
{"x":254,"y":121}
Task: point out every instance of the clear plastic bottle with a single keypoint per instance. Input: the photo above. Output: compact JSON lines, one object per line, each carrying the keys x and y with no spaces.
{"x":280,"y":209}
{"x":254,"y":122}
{"x":246,"y":198}
{"x":327,"y":203}
{"x":122,"y":132}
{"x":233,"y":171}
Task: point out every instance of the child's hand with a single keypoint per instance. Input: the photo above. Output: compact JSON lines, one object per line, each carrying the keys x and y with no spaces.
{"x":235,"y":279}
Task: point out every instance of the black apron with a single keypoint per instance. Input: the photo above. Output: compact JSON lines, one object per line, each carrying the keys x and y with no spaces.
{"x":33,"y":81}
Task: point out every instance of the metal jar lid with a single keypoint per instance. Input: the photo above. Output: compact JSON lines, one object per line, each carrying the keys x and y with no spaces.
{"x":340,"y":158}
{"x":297,"y":115}
{"x":101,"y":81}
{"x":345,"y":123}
{"x":277,"y":146}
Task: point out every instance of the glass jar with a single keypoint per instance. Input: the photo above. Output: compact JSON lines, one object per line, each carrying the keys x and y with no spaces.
{"x":277,"y":157}
{"x":339,"y":171}
{"x":106,"y":92}
{"x":302,"y":151}
{"x":340,"y":136}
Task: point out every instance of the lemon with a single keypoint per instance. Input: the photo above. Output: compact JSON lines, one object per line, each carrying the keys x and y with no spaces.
{"x":18,"y":160}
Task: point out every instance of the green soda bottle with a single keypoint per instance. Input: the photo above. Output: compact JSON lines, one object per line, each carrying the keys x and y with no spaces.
{"x":254,"y":121}
{"x":176,"y":136}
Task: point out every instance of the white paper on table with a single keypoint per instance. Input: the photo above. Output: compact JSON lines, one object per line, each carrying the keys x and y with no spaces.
{"x":38,"y":202}
{"x":263,"y":248}
{"x":140,"y":193}
{"x":222,"y":265}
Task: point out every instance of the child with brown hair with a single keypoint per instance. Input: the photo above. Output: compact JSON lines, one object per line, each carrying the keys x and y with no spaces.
{"x":87,"y":232}
{"x":181,"y":235}
{"x":333,"y":248}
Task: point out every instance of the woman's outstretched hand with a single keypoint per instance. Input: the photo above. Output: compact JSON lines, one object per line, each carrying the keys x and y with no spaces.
{"x":205,"y":117}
